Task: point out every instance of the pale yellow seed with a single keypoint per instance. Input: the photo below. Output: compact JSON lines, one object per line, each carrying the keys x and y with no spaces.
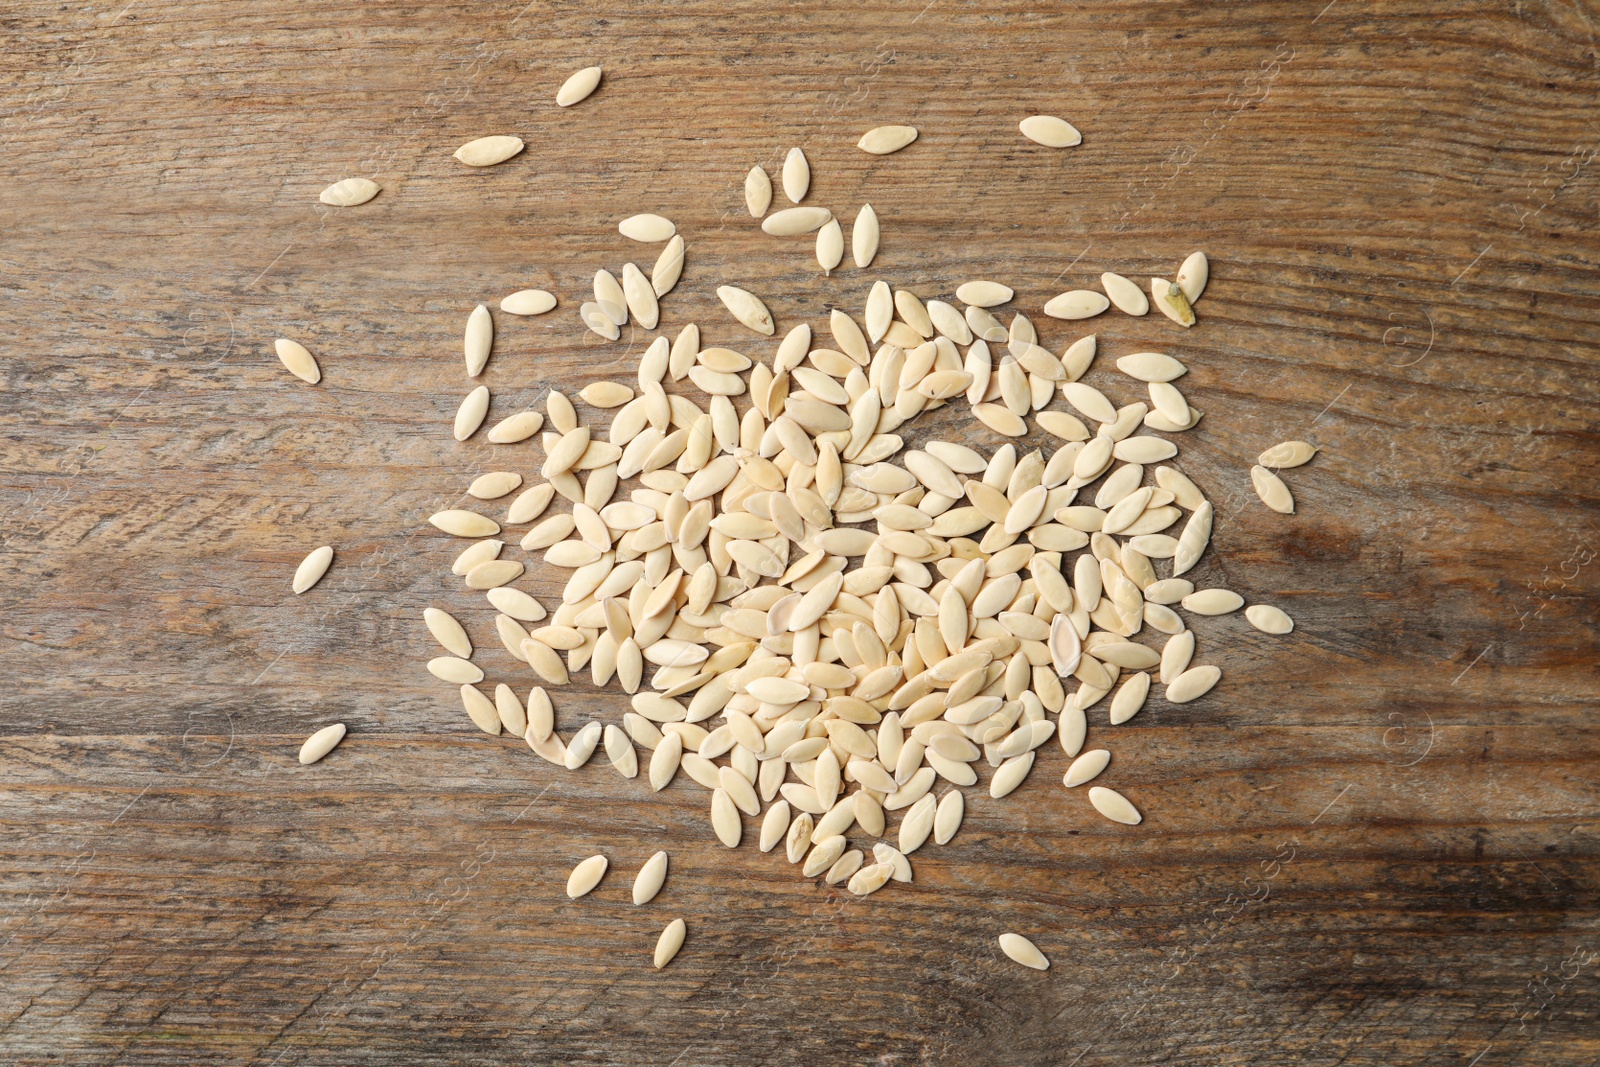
{"x":299,"y":362}
{"x":1077,"y":304}
{"x":1288,"y":454}
{"x":1269,"y":619}
{"x":578,"y":87}
{"x":487,"y":151}
{"x":757,"y":192}
{"x":668,"y":944}
{"x":515,"y":428}
{"x":1272,"y":490}
{"x":668,"y":267}
{"x":1114,"y":806}
{"x":1050,"y":131}
{"x":464,"y":523}
{"x":312,"y":568}
{"x":882,"y":140}
{"x":830,"y":246}
{"x":350,"y":192}
{"x":1193,"y":275}
{"x":793,"y":221}
{"x":321,"y":743}
{"x":747,"y":308}
{"x":647,"y":228}
{"x":864,"y":236}
{"x":1020,"y":950}
{"x":606,"y":394}
{"x":477,"y":340}
{"x":586,"y":875}
{"x":528,"y":302}
{"x":1127,"y":296}
{"x":796,"y":175}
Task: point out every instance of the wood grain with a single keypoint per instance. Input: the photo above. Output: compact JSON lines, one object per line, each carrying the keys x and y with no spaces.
{"x":1374,"y":843}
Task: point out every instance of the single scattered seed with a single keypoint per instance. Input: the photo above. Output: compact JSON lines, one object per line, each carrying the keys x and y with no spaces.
{"x":794,"y":221}
{"x":664,"y":761}
{"x":487,"y":151}
{"x":1193,"y":275}
{"x":1272,"y":491}
{"x":350,"y":192}
{"x":610,"y":297}
{"x":321,"y":743}
{"x":494,"y":485}
{"x":830,"y":246}
{"x":464,"y":523}
{"x":883,"y":140}
{"x":1130,"y":697}
{"x":1193,"y":684}
{"x":312,"y":568}
{"x":475,"y":554}
{"x":1114,"y":806}
{"x":1091,"y":401}
{"x":477,"y":340}
{"x":1050,"y":131}
{"x":1288,"y":454}
{"x":668,"y":267}
{"x":899,"y":866}
{"x":869,"y":879}
{"x":481,"y":710}
{"x":650,"y":879}
{"x":606,"y":394}
{"x":582,"y":745}
{"x":515,"y":603}
{"x":947,"y":816}
{"x":641,"y":297}
{"x":512,"y":715}
{"x":494,"y":572}
{"x":647,"y":228}
{"x":455,"y":671}
{"x":598,"y":320}
{"x":619,"y":750}
{"x":1086,"y":767}
{"x":448,"y":632}
{"x":668,"y":944}
{"x":1010,"y":775}
{"x":775,"y":825}
{"x":1268,"y":619}
{"x":725,"y":818}
{"x":527,"y":302}
{"x":757,"y":192}
{"x":844,"y":867}
{"x":1127,"y":296}
{"x":747,"y":308}
{"x":796,"y":175}
{"x":300,"y":363}
{"x":470,"y":415}
{"x":1020,"y":950}
{"x":586,"y":875}
{"x":1213,"y":602}
{"x":514,"y":428}
{"x":1077,"y":304}
{"x":864,"y":236}
{"x":578,"y":87}
{"x":984,"y":294}
{"x":1000,"y":420}
{"x":1151,"y":367}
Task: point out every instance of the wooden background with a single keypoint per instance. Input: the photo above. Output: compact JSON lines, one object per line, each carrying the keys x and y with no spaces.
{"x":1374,"y":843}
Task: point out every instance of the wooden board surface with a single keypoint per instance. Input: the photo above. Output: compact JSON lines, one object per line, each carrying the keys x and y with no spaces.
{"x":1374,"y":843}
